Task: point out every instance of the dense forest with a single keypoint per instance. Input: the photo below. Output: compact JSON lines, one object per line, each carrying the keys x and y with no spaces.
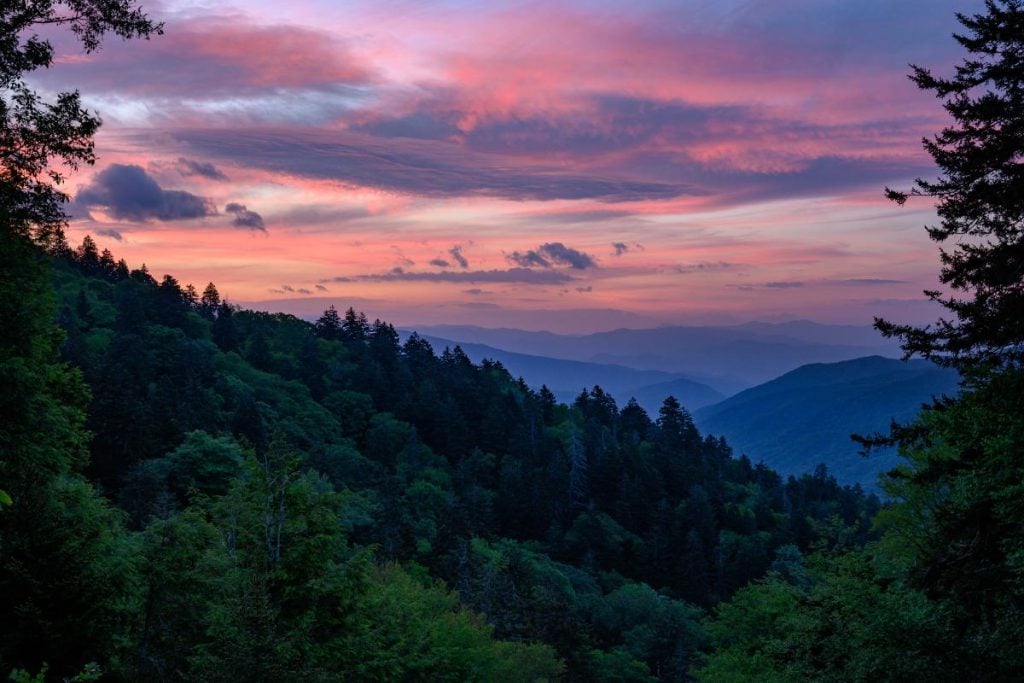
{"x":193,"y":491}
{"x":255,"y":493}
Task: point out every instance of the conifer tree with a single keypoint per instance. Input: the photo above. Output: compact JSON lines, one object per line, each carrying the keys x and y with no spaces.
{"x":980,"y":192}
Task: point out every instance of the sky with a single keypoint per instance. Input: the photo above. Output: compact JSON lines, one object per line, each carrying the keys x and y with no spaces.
{"x":572,"y":166}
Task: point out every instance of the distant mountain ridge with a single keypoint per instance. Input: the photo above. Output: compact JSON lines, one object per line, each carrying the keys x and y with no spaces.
{"x":806,"y":416}
{"x":726,"y":358}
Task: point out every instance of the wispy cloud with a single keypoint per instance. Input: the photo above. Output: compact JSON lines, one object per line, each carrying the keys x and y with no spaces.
{"x":703,"y":267}
{"x":111,"y":233}
{"x":457,"y":256}
{"x":190,"y":167}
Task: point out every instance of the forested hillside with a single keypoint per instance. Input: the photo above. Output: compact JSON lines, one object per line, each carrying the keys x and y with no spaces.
{"x":252,"y":494}
{"x":806,"y":417}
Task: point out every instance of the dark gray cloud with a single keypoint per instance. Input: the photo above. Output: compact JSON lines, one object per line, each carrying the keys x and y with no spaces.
{"x":785,"y":284}
{"x":288,"y":288}
{"x":551,"y":254}
{"x":111,"y":233}
{"x":585,"y":290}
{"x":440,"y":263}
{"x":458,"y":257}
{"x":190,"y":167}
{"x":244,"y":218}
{"x":321,"y":288}
{"x":127,"y":192}
{"x":512,"y":275}
{"x":528,"y":259}
{"x":620,"y":248}
{"x":303,"y":290}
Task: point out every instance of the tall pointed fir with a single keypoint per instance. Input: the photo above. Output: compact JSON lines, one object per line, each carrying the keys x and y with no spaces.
{"x":980,"y":193}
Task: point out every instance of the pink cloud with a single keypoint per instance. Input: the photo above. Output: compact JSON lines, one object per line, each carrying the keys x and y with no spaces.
{"x":210,"y":57}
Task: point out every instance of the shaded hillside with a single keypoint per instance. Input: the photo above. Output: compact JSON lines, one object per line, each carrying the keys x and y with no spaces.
{"x":566,"y":378}
{"x":806,"y":416}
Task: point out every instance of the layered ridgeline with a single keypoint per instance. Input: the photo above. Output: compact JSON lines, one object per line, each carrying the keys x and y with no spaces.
{"x":284,"y":500}
{"x":806,"y":417}
{"x":727,"y":358}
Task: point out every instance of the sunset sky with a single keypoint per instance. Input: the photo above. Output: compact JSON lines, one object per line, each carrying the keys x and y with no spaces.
{"x":546,"y":165}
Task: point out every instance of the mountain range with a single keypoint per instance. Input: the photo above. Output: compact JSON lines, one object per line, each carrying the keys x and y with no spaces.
{"x":726,"y":358}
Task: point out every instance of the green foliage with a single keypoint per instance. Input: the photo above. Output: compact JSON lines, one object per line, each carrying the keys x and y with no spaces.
{"x":66,"y":567}
{"x":850,"y":623}
{"x":297,"y":519}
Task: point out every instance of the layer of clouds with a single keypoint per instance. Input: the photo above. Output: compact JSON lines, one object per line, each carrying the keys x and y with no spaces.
{"x":424,"y":168}
{"x":127,"y":192}
{"x":552,"y":254}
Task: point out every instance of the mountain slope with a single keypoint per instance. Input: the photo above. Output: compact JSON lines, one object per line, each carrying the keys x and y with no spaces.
{"x":806,"y":416}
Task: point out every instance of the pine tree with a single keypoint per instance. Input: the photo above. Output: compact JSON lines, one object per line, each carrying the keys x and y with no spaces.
{"x":209,"y":302}
{"x":328,"y":326}
{"x":980,"y":194}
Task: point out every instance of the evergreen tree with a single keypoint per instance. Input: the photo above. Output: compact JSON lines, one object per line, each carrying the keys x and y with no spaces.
{"x":88,"y":256}
{"x":328,"y":326}
{"x":980,"y":197}
{"x":209,"y":302}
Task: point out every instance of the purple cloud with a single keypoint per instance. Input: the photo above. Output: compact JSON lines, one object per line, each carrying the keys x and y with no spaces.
{"x":127,"y":192}
{"x":551,"y":254}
